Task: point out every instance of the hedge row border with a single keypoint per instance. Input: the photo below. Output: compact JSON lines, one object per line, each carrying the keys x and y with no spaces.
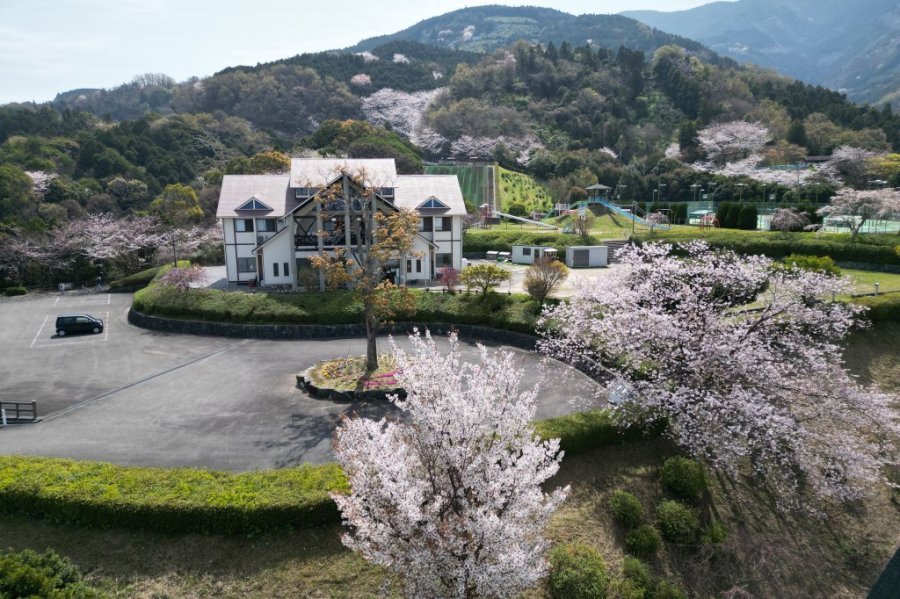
{"x":323,"y":331}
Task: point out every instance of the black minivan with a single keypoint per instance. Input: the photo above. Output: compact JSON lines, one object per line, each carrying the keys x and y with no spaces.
{"x":78,"y":323}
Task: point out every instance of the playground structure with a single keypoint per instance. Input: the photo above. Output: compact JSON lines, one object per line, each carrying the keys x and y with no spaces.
{"x":488,"y":213}
{"x":636,"y":215}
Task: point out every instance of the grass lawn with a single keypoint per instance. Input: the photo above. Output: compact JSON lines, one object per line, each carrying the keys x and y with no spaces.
{"x":766,"y":554}
{"x":864,"y":280}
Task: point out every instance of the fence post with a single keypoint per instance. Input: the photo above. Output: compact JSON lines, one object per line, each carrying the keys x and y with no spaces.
{"x":34,"y":410}
{"x":3,"y":416}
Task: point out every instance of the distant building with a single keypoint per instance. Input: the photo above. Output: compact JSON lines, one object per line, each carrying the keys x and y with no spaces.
{"x":273,"y":224}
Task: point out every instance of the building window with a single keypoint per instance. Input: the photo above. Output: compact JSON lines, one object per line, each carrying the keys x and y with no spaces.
{"x":287,"y":273}
{"x":409,"y":266}
{"x":526,"y":251}
{"x":246,"y":264}
{"x":441,"y":260}
{"x":275,"y":269}
{"x":243,"y":225}
{"x":425,"y":224}
{"x":418,"y":266}
{"x":265,"y":225}
{"x":443,"y":223}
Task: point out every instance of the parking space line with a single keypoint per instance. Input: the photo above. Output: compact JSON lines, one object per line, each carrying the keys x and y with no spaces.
{"x":38,"y":334}
{"x":97,"y":398}
{"x":57,"y":300}
{"x":61,"y":342}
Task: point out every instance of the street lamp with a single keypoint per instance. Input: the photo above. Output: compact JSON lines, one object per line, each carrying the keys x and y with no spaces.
{"x":694,"y":188}
{"x":741,"y":187}
{"x":660,"y":187}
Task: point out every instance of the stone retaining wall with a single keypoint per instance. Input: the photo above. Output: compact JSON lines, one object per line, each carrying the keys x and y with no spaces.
{"x":322,"y":331}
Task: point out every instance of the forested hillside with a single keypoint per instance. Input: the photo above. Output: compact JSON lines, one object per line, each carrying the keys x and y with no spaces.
{"x":569,"y":114}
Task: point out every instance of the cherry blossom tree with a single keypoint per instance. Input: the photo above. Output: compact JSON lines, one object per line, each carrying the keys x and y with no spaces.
{"x":854,"y":208}
{"x":182,"y":279}
{"x":449,"y":496}
{"x":787,"y":220}
{"x":734,"y":140}
{"x":851,"y":163}
{"x":761,"y":392}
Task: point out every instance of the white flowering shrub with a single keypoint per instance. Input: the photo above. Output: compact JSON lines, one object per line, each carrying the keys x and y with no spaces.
{"x":449,"y":495}
{"x":762,"y":393}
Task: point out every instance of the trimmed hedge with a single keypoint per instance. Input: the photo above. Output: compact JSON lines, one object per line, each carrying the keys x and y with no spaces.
{"x":882,"y":308}
{"x":643,"y":540}
{"x":677,"y":522}
{"x":683,"y":477}
{"x":104,"y":495}
{"x":169,"y":499}
{"x":868,"y":249}
{"x":502,"y":241}
{"x":141,"y":279}
{"x":625,"y":508}
{"x":584,"y":431}
{"x":11,"y":291}
{"x":516,"y":313}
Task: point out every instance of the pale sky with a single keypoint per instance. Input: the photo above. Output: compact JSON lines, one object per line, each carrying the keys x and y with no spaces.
{"x":49,"y":46}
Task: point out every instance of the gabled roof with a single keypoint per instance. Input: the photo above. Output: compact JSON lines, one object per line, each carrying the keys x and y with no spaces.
{"x":270,"y":190}
{"x":598,"y":186}
{"x":414,"y":190}
{"x":318,"y":172}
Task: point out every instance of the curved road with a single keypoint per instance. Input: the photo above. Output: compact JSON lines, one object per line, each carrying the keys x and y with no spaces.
{"x":137,"y":397}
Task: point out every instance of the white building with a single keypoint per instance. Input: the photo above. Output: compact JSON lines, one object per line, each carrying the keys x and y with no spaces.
{"x":274,"y":223}
{"x":529,"y":254}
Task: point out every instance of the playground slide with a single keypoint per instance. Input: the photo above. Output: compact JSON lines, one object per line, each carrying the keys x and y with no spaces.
{"x":524,"y":220}
{"x":627,"y":214}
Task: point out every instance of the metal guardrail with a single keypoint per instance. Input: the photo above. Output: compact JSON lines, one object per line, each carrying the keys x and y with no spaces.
{"x":16,"y":412}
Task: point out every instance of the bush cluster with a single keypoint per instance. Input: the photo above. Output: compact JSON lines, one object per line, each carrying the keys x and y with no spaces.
{"x":683,"y":477}
{"x":516,"y":313}
{"x":638,"y":583}
{"x":577,"y":571}
{"x":169,"y":500}
{"x":30,"y":574}
{"x":625,"y":508}
{"x":583,"y":431}
{"x":868,"y":249}
{"x":677,"y":522}
{"x":820,"y":264}
{"x":11,"y":291}
{"x":643,"y":540}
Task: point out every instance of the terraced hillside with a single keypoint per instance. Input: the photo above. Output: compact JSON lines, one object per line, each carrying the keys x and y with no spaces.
{"x":519,"y":188}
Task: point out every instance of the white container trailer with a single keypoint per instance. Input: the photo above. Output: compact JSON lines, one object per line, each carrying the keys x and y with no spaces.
{"x":587,"y":256}
{"x":528,"y":254}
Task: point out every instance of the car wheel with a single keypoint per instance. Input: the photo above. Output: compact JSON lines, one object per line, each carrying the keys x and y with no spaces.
{"x":96,"y":330}
{"x":61,"y":333}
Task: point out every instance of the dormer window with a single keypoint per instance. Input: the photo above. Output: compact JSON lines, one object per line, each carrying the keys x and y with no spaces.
{"x":386,"y":192}
{"x":306,"y":192}
{"x":255,"y":205}
{"x":433,"y":203}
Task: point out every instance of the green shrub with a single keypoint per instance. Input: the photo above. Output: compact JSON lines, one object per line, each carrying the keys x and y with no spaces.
{"x":169,"y":499}
{"x":584,"y":431}
{"x":714,"y":534}
{"x":30,"y":574}
{"x":822,"y":264}
{"x":667,"y":590}
{"x":881,"y":308}
{"x":643,"y":540}
{"x":11,"y":291}
{"x":747,"y":219}
{"x":677,"y":522}
{"x":577,"y":571}
{"x":683,"y":477}
{"x":637,"y":571}
{"x":625,"y":508}
{"x":625,"y":588}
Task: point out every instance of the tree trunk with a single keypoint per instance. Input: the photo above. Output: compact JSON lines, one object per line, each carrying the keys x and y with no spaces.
{"x":371,"y":338}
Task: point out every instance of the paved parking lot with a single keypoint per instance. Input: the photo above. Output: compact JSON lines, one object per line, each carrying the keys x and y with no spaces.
{"x":138,"y":397}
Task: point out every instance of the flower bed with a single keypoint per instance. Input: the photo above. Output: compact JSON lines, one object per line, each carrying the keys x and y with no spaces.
{"x":347,"y":379}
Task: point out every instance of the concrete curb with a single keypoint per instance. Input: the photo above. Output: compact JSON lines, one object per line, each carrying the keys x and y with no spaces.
{"x":323,"y":331}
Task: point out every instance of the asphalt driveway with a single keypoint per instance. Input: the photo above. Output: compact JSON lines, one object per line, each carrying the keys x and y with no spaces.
{"x":137,"y":397}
